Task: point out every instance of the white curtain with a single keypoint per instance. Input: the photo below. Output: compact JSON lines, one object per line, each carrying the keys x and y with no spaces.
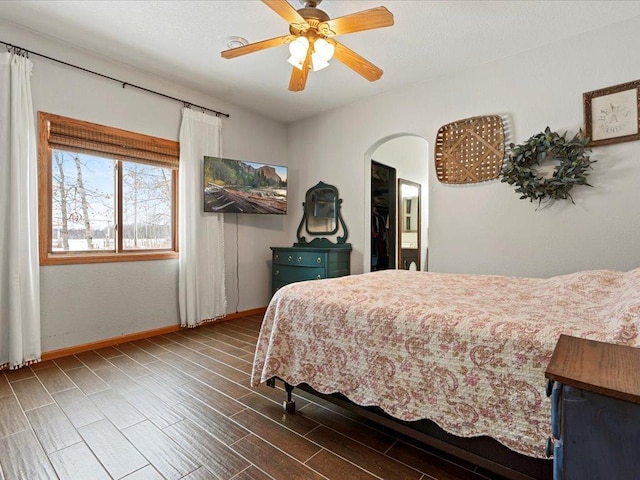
{"x":19,"y":267}
{"x":201,"y":240}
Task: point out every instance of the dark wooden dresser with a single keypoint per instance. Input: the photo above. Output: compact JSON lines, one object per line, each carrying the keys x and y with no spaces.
{"x":595,"y":410}
{"x":296,"y":264}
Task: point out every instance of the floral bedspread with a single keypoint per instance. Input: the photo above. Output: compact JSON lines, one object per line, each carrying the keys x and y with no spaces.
{"x":466,"y":351}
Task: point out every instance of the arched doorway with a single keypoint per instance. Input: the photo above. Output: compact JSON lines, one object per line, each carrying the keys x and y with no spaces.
{"x":408,"y":156}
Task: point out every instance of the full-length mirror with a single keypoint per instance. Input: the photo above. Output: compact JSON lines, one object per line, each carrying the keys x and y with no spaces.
{"x":408,"y":225}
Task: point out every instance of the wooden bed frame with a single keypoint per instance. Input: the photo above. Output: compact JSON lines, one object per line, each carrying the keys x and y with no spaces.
{"x":483,"y":451}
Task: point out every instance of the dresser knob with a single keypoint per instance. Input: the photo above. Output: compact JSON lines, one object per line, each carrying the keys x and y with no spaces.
{"x":277,"y":273}
{"x":299,"y":259}
{"x":319,"y":260}
{"x":290,"y":258}
{"x":319,"y":277}
{"x":548,"y":450}
{"x":276,"y":256}
{"x":549,"y":387}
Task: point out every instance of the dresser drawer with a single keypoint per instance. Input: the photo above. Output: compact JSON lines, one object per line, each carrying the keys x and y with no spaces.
{"x":297,"y":264}
{"x":306,"y":259}
{"x":291,"y":273}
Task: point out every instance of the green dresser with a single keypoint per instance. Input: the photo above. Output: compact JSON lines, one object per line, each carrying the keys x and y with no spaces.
{"x":320,"y":257}
{"x":295,"y":264}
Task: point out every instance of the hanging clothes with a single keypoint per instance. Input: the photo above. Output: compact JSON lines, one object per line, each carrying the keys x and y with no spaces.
{"x":379,"y":238}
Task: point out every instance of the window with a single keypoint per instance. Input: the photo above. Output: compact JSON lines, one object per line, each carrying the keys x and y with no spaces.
{"x":105,"y":195}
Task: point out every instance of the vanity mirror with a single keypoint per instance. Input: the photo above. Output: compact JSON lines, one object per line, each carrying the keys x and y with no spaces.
{"x":321,"y":215}
{"x":320,"y":210}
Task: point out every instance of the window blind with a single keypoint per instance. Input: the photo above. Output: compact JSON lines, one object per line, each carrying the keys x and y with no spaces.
{"x":83,"y":137}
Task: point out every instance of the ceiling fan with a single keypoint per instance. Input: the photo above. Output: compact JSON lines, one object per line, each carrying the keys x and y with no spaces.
{"x":311,"y":42}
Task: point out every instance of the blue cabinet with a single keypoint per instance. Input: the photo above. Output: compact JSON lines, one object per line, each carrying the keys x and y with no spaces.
{"x":319,"y":258}
{"x":595,"y":410}
{"x":296,"y":264}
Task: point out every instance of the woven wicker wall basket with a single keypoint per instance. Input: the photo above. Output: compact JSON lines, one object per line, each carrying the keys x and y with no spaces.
{"x":470,"y":150}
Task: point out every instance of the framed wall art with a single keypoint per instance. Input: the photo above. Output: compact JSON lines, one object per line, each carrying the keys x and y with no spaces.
{"x":612,"y":114}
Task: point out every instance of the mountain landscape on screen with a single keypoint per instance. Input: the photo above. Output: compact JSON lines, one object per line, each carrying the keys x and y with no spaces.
{"x":234,"y":186}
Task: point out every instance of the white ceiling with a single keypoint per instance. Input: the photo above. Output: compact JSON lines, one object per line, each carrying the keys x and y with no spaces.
{"x":182,"y":40}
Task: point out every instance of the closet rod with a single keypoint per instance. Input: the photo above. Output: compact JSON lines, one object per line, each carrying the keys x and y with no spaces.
{"x":124,"y":84}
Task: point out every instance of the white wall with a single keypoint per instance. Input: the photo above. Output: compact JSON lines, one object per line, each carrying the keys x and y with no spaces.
{"x":485,"y":228}
{"x":85,"y":303}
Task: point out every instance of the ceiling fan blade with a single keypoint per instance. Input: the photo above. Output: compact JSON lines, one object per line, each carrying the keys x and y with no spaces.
{"x":299,"y":77}
{"x":357,"y":63}
{"x":257,"y":46}
{"x":357,"y":22}
{"x":290,"y":14}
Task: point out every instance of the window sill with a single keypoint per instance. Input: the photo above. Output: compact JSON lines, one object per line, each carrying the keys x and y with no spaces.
{"x":80,"y":258}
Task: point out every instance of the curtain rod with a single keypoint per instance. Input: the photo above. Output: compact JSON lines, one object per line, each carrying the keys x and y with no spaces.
{"x":124,"y":84}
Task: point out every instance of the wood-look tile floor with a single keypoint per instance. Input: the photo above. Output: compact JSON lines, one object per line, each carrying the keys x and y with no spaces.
{"x":180,"y":406}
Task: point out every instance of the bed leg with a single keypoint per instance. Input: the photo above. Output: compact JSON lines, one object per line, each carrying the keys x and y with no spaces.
{"x":289,"y":404}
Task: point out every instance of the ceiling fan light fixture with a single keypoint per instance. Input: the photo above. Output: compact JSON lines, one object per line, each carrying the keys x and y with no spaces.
{"x":317,"y":62}
{"x":298,"y":48}
{"x":296,"y":62}
{"x":322,"y":52}
{"x":324,"y":49}
{"x":311,"y":42}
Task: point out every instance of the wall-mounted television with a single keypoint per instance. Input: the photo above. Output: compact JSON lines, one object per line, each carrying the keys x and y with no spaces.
{"x":235,"y":186}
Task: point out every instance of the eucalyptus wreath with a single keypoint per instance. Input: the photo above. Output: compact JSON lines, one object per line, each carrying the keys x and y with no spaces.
{"x":573,"y":165}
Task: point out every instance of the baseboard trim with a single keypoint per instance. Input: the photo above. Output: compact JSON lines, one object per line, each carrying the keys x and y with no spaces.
{"x":109,"y":342}
{"x":131,"y":337}
{"x":245,"y":313}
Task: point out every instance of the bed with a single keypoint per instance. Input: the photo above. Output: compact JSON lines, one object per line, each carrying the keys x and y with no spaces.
{"x":463,"y":354}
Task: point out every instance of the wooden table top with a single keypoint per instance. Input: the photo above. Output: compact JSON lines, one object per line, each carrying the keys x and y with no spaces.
{"x":603,"y":368}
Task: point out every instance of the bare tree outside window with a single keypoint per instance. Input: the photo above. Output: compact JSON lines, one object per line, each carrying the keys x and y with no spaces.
{"x":60,"y":223}
{"x":83,"y":210}
{"x":146,"y":206}
{"x":84,"y":204}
